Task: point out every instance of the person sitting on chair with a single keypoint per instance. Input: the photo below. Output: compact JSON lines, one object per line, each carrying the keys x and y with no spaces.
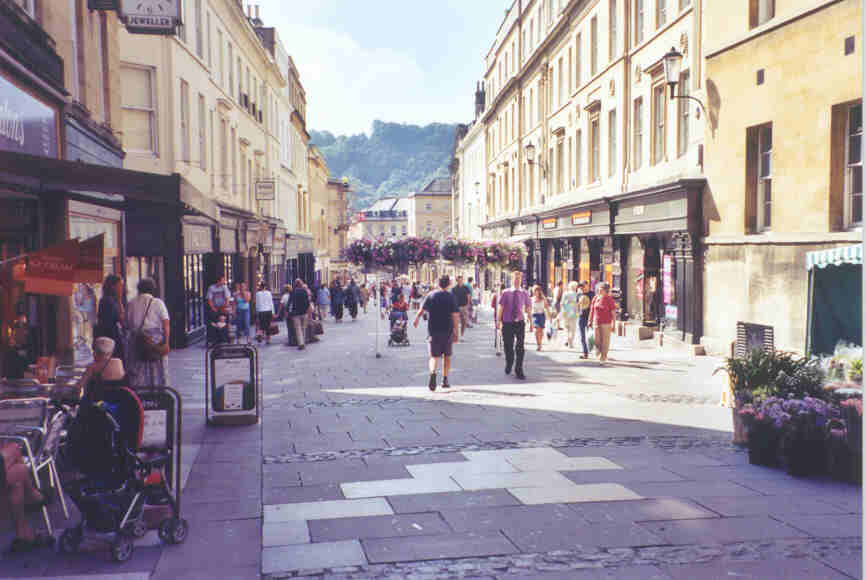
{"x":16,"y":492}
{"x":103,"y":373}
{"x":399,"y":308}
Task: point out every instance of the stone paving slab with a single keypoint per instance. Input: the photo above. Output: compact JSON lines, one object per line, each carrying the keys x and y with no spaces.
{"x":345,"y":508}
{"x":640,"y":510}
{"x":722,"y":530}
{"x":565,"y":536}
{"x":693,"y":489}
{"x":237,"y":542}
{"x":285,"y":533}
{"x":852,"y":565}
{"x":432,"y":547}
{"x":380,"y":462}
{"x":776,"y":505}
{"x":646,"y":475}
{"x":405,"y":525}
{"x":143,"y":560}
{"x":390,"y":487}
{"x":589,"y":492}
{"x":451,"y":500}
{"x":215,"y":511}
{"x":618,"y":573}
{"x":821,"y":526}
{"x":499,"y":517}
{"x":302,"y":493}
{"x":777,"y":568}
{"x":312,"y":556}
{"x":478,"y":481}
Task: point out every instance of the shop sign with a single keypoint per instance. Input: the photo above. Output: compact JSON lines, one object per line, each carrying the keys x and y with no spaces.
{"x":549,"y":224}
{"x":578,"y":219}
{"x":671,"y":311}
{"x":26,"y":124}
{"x":197,"y":239}
{"x":667,"y":279}
{"x":150,"y":16}
{"x":266,"y":189}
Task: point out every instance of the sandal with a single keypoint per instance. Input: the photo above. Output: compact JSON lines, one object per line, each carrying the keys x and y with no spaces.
{"x":20,"y":545}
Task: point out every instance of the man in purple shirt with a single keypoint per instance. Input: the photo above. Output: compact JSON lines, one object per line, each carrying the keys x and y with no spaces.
{"x":514,"y":307}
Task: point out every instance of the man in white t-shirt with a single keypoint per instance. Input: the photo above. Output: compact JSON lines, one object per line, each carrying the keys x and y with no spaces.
{"x":219,"y":297}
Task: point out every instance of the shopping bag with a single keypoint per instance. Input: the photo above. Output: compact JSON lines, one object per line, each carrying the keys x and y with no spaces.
{"x":550,"y":331}
{"x":590,"y":342}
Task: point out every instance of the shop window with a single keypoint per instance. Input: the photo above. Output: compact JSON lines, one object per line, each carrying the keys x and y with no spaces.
{"x":228,"y":269}
{"x":194,"y":291}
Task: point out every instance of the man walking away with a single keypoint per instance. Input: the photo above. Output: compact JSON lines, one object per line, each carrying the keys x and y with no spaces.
{"x":337,"y":300}
{"x":461,"y":295}
{"x":442,"y":324}
{"x":583,"y":303}
{"x":514,"y":307}
{"x":301,"y":308}
{"x":353,"y":296}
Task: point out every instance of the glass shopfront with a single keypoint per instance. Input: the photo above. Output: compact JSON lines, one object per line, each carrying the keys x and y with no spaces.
{"x":194,"y":290}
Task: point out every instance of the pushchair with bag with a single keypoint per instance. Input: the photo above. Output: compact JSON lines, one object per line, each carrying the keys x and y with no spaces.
{"x":399,"y":335}
{"x":116,"y":483}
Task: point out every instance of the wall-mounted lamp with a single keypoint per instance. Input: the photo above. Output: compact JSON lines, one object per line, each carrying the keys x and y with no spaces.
{"x":530,"y":158}
{"x":673,"y":63}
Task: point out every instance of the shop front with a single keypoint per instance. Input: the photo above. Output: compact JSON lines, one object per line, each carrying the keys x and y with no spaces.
{"x":229,"y":260}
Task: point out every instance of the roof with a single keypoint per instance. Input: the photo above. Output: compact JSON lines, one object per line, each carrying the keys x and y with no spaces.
{"x":384,"y":204}
{"x":438,"y":185}
{"x":402,"y":204}
{"x":835,"y":257}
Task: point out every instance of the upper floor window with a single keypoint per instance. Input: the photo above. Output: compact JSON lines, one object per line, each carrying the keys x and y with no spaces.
{"x":683,"y":104}
{"x":593,"y":46}
{"x":765,"y":177}
{"x":199,"y":30}
{"x":685,"y":4}
{"x":612,"y":40}
{"x":659,"y":114}
{"x":638,"y":21}
{"x":578,"y":73}
{"x":637,"y":136}
{"x":854,"y":164}
{"x":428,"y":206}
{"x":594,"y":137}
{"x":611,"y":142}
{"x":138,"y":101}
{"x":559,"y":83}
{"x":661,"y":13}
{"x":760,"y":11}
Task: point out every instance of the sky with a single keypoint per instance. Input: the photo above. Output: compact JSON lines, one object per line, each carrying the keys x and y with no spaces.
{"x":414,"y":61}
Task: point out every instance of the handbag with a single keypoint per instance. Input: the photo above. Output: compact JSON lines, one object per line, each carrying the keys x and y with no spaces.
{"x":273,"y":329}
{"x":146,"y":348}
{"x":317,"y":327}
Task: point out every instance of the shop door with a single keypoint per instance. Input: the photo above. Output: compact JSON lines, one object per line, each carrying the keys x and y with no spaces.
{"x":652,"y":295}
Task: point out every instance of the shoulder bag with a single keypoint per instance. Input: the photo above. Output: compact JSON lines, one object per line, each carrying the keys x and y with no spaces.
{"x":146,"y":348}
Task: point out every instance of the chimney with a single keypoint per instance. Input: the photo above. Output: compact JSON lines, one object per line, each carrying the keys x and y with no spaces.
{"x":479,"y":99}
{"x":257,"y":11}
{"x":257,"y":21}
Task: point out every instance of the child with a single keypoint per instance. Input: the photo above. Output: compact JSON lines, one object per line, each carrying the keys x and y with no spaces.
{"x":220,"y":330}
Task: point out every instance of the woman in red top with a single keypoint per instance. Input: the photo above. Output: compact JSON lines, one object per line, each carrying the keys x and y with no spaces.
{"x":601,"y":318}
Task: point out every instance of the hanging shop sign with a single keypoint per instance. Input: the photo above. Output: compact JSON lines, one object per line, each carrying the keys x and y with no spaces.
{"x":27,"y":125}
{"x":549,"y":224}
{"x":579,"y":219}
{"x":667,"y":279}
{"x":266,"y":189}
{"x":151,"y":16}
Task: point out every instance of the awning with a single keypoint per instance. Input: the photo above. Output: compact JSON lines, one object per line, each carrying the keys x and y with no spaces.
{"x":835,"y":257}
{"x":56,"y":269}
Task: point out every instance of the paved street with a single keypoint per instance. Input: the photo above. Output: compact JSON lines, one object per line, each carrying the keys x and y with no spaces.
{"x":358,"y":471}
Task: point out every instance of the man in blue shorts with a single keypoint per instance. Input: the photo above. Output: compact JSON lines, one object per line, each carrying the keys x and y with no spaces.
{"x":443,"y":320}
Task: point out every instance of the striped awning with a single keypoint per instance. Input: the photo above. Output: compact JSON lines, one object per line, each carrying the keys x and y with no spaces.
{"x":835,"y":257}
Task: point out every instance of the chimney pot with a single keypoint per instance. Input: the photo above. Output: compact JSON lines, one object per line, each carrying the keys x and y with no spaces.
{"x":257,"y":11}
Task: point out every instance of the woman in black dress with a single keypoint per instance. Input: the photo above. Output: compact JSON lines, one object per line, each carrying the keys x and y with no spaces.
{"x":110,"y":315}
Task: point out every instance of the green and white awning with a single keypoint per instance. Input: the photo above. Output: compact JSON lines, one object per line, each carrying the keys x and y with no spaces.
{"x":835,"y":257}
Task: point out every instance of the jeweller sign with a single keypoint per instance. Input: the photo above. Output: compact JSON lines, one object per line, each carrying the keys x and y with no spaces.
{"x":151,"y":16}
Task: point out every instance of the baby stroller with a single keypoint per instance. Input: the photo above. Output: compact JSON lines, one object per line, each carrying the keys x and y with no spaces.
{"x":399,"y":336}
{"x":117,"y":484}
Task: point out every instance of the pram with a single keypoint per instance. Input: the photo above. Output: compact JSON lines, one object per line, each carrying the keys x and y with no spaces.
{"x":399,"y":336}
{"x":103,"y":440}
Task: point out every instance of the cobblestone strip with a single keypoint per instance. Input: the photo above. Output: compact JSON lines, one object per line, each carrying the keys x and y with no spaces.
{"x":565,"y":560}
{"x":666,"y":443}
{"x":349,"y":403}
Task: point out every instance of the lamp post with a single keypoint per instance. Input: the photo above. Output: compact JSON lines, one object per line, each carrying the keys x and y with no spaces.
{"x":673,"y":63}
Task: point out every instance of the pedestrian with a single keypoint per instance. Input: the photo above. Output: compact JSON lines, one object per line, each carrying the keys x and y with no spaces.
{"x":383,"y":299}
{"x":583,"y":304}
{"x":569,"y":312}
{"x":540,"y":310}
{"x":461,"y":295}
{"x":514,"y":307}
{"x":338,"y":299}
{"x":242,"y":297}
{"x":557,"y":302}
{"x":601,"y":319}
{"x":323,"y":301}
{"x":443,"y":320}
{"x":474,"y":300}
{"x":110,"y":317}
{"x":146,"y":315}
{"x":301,"y":308}
{"x":264,"y":311}
{"x":497,"y":326}
{"x":218,"y":301}
{"x":352,"y":297}
{"x":416,"y":296}
{"x":284,"y":310}
{"x":365,"y":296}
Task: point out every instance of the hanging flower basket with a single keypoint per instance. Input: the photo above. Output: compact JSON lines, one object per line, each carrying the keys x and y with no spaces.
{"x":359,"y":252}
{"x":515,"y":257}
{"x":457,"y":251}
{"x":420,"y":250}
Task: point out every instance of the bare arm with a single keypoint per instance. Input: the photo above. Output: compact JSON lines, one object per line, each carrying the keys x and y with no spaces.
{"x":499,"y":314}
{"x":418,"y":317}
{"x":166,"y":329}
{"x":455,"y":324}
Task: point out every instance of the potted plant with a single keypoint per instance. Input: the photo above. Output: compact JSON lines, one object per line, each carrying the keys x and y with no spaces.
{"x":762,"y":436}
{"x":843,"y":442}
{"x":802,"y":443}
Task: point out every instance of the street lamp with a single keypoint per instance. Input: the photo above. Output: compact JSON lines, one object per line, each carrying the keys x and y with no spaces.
{"x":673,"y":63}
{"x":530,"y":158}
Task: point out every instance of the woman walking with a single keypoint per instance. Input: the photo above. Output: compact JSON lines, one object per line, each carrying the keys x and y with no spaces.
{"x":337,"y":300}
{"x":147,"y":318}
{"x":540,"y":307}
{"x":365,"y":296}
{"x":242,"y":299}
{"x":264,"y":311}
{"x":557,"y":303}
{"x":110,"y":318}
{"x":601,"y":319}
{"x":569,"y":313}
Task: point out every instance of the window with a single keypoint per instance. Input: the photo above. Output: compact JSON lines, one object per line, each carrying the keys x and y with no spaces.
{"x":530,"y":119}
{"x":611,"y":143}
{"x":138,"y":101}
{"x":765,"y":177}
{"x":538,"y":40}
{"x":658,"y":126}
{"x":393,"y":230}
{"x":202,"y":133}
{"x":184,"y":121}
{"x":854,"y":164}
{"x":560,"y":166}
{"x":209,"y":45}
{"x":531,"y":31}
{"x":637,"y":138}
{"x":685,"y":4}
{"x":578,"y":159}
{"x":612,"y":40}
{"x":578,"y":74}
{"x":638,"y":21}
{"x":525,"y":46}
{"x":224,"y":154}
{"x":760,"y":11}
{"x":231,"y":73}
{"x":594,"y":139}
{"x":549,"y":12}
{"x":404,"y":230}
{"x":540,"y":103}
{"x":560,"y":85}
{"x":661,"y":13}
{"x":593,"y":46}
{"x":570,"y":183}
{"x":199,"y":30}
{"x":233,"y":170}
{"x":683,"y":105}
{"x":570,"y":74}
{"x":221,"y":58}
